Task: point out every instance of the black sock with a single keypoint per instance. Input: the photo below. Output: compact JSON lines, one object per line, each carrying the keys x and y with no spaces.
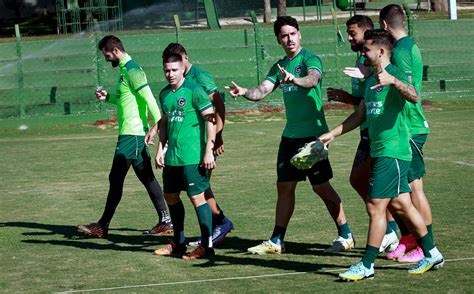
{"x":218,"y":219}
{"x":117,"y":174}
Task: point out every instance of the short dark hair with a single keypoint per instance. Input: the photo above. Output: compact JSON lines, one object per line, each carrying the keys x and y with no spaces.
{"x":174,"y":48}
{"x":172,"y":57}
{"x":283,"y":21}
{"x":110,"y":42}
{"x":362,"y":21}
{"x":380,"y":37}
{"x":393,"y":15}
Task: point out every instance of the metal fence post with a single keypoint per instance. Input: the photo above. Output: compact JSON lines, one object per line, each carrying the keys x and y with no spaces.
{"x":98,"y":64}
{"x":258,"y":46}
{"x":21,"y":101}
{"x":177,"y":25}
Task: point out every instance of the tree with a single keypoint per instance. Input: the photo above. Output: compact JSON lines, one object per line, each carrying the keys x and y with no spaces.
{"x":267,"y":16}
{"x":281,"y":9}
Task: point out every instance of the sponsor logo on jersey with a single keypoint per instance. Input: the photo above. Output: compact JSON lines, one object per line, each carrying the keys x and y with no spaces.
{"x":181,"y":102}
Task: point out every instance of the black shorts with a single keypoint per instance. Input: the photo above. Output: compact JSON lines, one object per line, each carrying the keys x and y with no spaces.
{"x":319,"y":173}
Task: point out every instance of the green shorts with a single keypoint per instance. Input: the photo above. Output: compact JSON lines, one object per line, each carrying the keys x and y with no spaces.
{"x":388,"y":177}
{"x":190,"y":178}
{"x":319,"y":173}
{"x":133,"y":148}
{"x":417,"y":166}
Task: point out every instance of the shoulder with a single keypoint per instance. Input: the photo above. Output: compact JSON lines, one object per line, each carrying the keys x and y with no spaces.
{"x":311,"y":60}
{"x":165,"y":91}
{"x":132,"y":65}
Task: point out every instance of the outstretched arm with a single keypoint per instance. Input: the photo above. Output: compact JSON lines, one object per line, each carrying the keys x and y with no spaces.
{"x":342,"y":96}
{"x":311,"y":80}
{"x":353,"y":121}
{"x":253,"y":94}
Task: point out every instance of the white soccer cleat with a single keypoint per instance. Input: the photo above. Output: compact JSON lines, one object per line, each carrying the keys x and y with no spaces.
{"x":389,"y":242}
{"x":310,"y":154}
{"x":341,"y":244}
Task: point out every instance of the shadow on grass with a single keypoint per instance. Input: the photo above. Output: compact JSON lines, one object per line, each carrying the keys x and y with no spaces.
{"x":76,"y":239}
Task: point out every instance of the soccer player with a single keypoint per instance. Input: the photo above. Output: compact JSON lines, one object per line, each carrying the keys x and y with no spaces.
{"x":134,"y":99}
{"x":406,"y":56}
{"x":188,"y":127}
{"x":298,"y":75}
{"x":221,"y":224}
{"x":360,"y":173}
{"x":383,"y":107}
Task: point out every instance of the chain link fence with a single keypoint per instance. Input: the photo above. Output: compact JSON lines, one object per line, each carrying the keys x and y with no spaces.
{"x":57,"y":76}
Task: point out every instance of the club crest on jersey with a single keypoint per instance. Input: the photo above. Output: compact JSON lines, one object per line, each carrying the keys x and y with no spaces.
{"x":298,"y":69}
{"x":181,"y":102}
{"x":379,"y":89}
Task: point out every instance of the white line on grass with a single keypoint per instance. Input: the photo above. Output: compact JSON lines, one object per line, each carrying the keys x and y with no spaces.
{"x":239,"y":278}
{"x":456,"y":162}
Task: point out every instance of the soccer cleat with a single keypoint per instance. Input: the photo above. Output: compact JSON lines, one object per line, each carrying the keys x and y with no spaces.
{"x":199,"y":252}
{"x":341,"y":244}
{"x":309,"y":155}
{"x":218,"y":233}
{"x":358,"y":272}
{"x":267,"y":247}
{"x":415,"y":255}
{"x":389,"y":242}
{"x":93,"y":230}
{"x":434,"y":262}
{"x":171,"y":249}
{"x":162,"y":228}
{"x":405,"y":244}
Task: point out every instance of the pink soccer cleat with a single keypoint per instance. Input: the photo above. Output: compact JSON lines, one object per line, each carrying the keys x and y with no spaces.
{"x":415,"y":255}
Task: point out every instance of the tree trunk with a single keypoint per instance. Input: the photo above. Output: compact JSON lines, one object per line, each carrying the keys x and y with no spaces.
{"x":281,"y":9}
{"x":267,"y":16}
{"x":439,"y":5}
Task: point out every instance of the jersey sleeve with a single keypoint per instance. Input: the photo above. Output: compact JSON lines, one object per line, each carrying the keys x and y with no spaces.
{"x":201,"y":100}
{"x":313,"y":62}
{"x":207,"y":82}
{"x":139,"y":84}
{"x":402,"y":59}
{"x":273,"y":75}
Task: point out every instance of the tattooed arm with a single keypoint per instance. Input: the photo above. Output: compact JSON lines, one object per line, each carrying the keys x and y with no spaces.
{"x":253,"y":94}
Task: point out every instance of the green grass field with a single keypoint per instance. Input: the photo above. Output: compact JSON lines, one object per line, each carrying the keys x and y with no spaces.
{"x":54,"y":176}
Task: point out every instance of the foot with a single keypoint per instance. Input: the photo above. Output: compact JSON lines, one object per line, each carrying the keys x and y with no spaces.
{"x":406,"y":244}
{"x":341,"y":244}
{"x":171,"y":249}
{"x":415,"y":255}
{"x":218,"y":234}
{"x":389,"y":242}
{"x":434,"y":262}
{"x":162,"y":228}
{"x":357,"y":272}
{"x":93,"y":230}
{"x":267,"y":247}
{"x":199,"y":252}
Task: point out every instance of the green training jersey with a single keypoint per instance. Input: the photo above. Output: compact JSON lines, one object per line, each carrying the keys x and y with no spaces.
{"x":134,"y":99}
{"x":202,"y":78}
{"x":406,"y":56}
{"x":358,"y":86}
{"x":304,"y":107}
{"x":186,"y":127}
{"x":386,"y":117}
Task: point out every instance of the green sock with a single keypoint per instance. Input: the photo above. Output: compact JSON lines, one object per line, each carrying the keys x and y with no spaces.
{"x":344,"y":231}
{"x":430,"y":232}
{"x":426,"y":244}
{"x":370,"y":255}
{"x":204,"y":215}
